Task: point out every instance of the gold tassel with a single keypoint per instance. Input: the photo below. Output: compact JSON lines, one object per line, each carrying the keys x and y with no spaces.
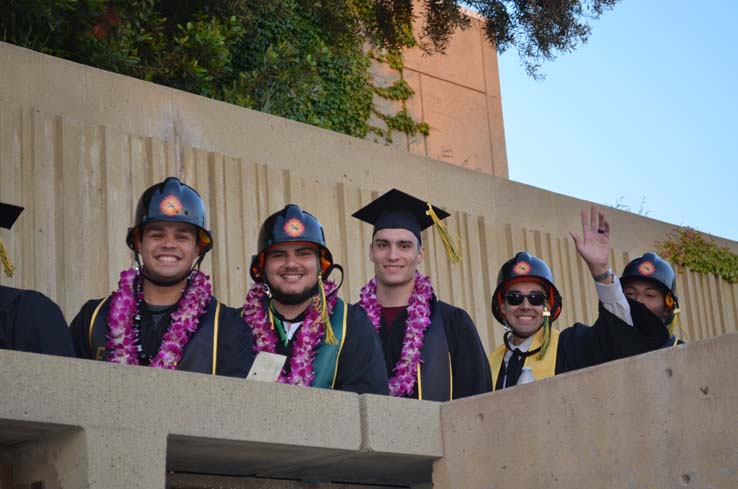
{"x":452,"y":243}
{"x":330,"y":337}
{"x":7,"y":265}
{"x":674,"y":324}
{"x":546,"y":333}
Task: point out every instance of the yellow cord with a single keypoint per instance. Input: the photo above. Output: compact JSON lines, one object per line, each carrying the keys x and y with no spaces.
{"x":330,"y":337}
{"x":546,"y":333}
{"x":676,"y":323}
{"x":7,"y":265}
{"x":452,"y":243}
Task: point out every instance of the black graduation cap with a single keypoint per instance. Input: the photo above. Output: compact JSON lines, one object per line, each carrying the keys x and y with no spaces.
{"x":8,"y":214}
{"x":398,"y":210}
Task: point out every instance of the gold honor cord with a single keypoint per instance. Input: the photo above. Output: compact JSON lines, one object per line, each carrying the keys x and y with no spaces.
{"x":452,"y":243}
{"x":546,"y":333}
{"x":330,"y":336}
{"x":7,"y":265}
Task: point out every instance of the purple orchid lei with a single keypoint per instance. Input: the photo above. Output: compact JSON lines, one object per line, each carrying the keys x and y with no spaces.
{"x":402,"y":383}
{"x":307,"y":339}
{"x":123,"y":341}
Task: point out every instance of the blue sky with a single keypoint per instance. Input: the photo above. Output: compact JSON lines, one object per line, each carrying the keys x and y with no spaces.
{"x":648,"y":108}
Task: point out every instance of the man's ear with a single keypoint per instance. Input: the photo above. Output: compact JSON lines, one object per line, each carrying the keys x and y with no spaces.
{"x":371,"y":250}
{"x":421,"y":253}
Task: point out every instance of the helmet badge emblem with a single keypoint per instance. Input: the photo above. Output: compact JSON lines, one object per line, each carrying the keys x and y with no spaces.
{"x":646,"y":268}
{"x":521,"y":268}
{"x":170,"y":205}
{"x":294,"y":227}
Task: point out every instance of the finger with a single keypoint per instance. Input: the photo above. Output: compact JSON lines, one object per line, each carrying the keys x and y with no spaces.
{"x":605,"y":225}
{"x":584,"y":222}
{"x":576,"y":239}
{"x":593,"y":218}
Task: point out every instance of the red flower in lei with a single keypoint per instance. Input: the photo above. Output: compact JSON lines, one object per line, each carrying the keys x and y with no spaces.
{"x":402,"y":383}
{"x":122,"y":338}
{"x":307,"y":339}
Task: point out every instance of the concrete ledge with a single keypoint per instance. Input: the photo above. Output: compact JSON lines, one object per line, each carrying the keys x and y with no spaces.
{"x":661,"y":420}
{"x":135,"y":423}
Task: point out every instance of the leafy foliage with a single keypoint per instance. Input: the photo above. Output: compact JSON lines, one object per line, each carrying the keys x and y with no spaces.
{"x":294,"y":58}
{"x":539,"y":29}
{"x":688,"y":248}
{"x":300,"y":59}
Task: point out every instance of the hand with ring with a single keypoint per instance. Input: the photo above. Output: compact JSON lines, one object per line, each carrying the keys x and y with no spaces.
{"x":594,"y":244}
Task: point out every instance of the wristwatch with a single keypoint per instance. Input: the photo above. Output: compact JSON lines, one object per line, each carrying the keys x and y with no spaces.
{"x":603,"y":275}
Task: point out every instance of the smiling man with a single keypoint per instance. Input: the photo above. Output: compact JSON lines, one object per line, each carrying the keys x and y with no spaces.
{"x":294,"y":310}
{"x":163,"y":314}
{"x":527,"y":303}
{"x":432,"y":349}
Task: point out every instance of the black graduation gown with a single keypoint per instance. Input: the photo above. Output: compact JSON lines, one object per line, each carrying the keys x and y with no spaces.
{"x":30,"y":321}
{"x":469,"y":364}
{"x":609,"y":338}
{"x":361,"y":363}
{"x":234,"y":345}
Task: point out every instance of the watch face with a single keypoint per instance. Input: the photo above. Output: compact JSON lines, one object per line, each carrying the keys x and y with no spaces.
{"x":603,"y":276}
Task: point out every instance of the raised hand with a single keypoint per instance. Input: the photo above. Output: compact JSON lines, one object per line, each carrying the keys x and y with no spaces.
{"x":594,"y":245}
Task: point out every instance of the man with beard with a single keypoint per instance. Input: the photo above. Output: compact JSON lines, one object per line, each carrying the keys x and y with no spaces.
{"x":29,"y":321}
{"x":527,"y":303}
{"x":293,"y":310}
{"x":432,"y":349}
{"x":163,"y":314}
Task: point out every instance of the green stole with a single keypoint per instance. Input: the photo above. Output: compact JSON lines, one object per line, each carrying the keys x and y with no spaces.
{"x":325,"y":363}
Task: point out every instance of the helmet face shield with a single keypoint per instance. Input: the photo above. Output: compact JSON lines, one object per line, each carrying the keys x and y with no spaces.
{"x":171,"y":201}
{"x":524,"y":267}
{"x":290,"y":225}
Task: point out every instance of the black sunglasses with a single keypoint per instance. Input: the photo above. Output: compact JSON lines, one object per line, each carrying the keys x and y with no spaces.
{"x":515,"y":298}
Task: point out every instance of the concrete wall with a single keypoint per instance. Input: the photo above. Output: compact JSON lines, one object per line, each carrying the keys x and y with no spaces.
{"x":78,"y":146}
{"x":78,"y":424}
{"x":662,"y":420}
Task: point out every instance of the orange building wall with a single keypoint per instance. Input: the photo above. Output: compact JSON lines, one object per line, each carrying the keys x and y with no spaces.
{"x":458,"y":94}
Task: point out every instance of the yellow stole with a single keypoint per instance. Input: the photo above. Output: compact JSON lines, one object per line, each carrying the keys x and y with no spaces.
{"x":541,"y":369}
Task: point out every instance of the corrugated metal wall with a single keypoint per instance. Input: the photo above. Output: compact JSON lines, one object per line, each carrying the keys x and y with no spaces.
{"x":80,"y":180}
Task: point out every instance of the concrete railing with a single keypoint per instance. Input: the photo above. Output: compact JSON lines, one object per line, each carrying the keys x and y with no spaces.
{"x":79,"y":145}
{"x":662,"y":420}
{"x":77,"y":424}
